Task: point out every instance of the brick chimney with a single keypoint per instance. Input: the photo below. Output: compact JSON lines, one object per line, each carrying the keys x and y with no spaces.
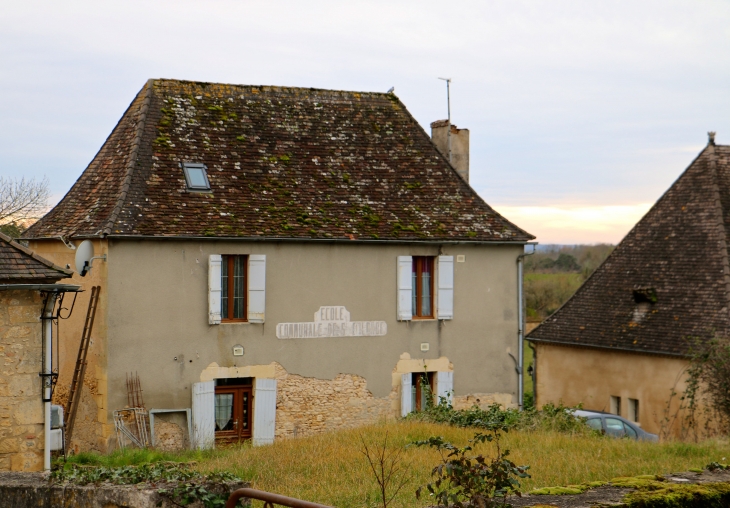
{"x":459,"y":145}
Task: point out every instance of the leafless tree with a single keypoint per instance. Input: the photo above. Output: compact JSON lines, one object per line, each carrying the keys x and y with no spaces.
{"x":388,"y":468}
{"x":22,"y":199}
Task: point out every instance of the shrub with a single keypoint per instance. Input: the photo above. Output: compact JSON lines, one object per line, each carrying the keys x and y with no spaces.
{"x":550,"y":418}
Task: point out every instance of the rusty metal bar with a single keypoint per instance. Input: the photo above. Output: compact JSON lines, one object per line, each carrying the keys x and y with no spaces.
{"x":270,"y":499}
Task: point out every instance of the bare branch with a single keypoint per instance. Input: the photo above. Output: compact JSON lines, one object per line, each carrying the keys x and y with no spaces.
{"x":23,"y":199}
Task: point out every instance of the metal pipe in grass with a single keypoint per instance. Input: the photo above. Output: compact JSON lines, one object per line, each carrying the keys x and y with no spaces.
{"x":270,"y":499}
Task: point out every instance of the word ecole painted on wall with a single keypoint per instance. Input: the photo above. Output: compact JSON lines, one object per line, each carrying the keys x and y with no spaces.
{"x":331,"y":321}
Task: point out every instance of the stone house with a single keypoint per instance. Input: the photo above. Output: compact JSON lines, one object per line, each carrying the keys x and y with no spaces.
{"x":286,"y":261}
{"x":27,"y":283}
{"x":621,"y":343}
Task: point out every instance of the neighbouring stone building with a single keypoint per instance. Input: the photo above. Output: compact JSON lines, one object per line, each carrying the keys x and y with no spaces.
{"x":285,"y":261}
{"x":24,"y":277}
{"x":621,"y":343}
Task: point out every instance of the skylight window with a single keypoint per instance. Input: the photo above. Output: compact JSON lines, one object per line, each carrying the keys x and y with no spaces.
{"x":195,"y":176}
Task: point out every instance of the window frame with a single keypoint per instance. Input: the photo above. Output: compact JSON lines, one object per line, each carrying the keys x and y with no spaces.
{"x":418,"y":397}
{"x":188,"y":180}
{"x":417,"y":268}
{"x":229,"y":260}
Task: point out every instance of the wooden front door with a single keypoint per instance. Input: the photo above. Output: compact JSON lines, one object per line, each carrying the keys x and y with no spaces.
{"x":233,"y":422}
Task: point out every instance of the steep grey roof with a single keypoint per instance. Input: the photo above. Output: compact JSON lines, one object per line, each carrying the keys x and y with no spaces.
{"x":289,"y":163}
{"x":668,"y":282}
{"x":20,"y":265}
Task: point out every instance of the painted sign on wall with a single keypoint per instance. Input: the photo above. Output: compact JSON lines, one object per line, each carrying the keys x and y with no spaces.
{"x":331,"y":321}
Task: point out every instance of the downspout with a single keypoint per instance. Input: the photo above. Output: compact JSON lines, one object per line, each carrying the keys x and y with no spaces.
{"x":47,"y":320}
{"x":521,"y":327}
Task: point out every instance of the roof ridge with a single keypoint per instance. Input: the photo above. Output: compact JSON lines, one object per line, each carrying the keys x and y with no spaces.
{"x":132,"y":161}
{"x":712,"y":163}
{"x":270,"y":88}
{"x":28,"y":252}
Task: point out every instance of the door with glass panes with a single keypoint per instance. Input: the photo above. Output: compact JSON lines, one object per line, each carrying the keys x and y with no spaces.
{"x":233,"y":405}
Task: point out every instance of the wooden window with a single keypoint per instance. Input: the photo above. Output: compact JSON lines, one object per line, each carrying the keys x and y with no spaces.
{"x":634,"y":410}
{"x":422,"y":286}
{"x":616,"y":405}
{"x":234,"y":285}
{"x":421,"y":390}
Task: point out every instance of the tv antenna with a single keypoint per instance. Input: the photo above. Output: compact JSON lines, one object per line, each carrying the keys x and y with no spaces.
{"x":448,"y":109}
{"x":85,"y":257}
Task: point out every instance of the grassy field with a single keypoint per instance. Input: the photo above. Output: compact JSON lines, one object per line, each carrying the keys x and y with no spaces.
{"x":331,"y":469}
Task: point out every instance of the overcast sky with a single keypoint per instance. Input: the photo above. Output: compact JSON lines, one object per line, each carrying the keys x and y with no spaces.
{"x":581,"y":113}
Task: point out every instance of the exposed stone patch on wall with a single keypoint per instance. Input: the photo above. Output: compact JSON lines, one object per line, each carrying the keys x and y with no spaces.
{"x":169,"y":436}
{"x":21,"y":408}
{"x":483,"y":400}
{"x":307,"y":405}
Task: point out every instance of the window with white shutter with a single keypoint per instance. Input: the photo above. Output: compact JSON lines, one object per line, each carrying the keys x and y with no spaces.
{"x":406,"y":394}
{"x":204,"y":415}
{"x":405,"y":291}
{"x":214,"y":289}
{"x":264,"y":411}
{"x":444,"y":386}
{"x":256,"y":288}
{"x":445,"y":299}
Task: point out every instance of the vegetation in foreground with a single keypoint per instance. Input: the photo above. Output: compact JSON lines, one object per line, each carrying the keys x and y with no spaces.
{"x":331,"y":469}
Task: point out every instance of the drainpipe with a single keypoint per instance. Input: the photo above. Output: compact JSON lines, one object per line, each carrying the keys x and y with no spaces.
{"x":47,"y":320}
{"x":521,"y":326}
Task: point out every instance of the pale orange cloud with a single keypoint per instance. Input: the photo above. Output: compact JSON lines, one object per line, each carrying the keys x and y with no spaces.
{"x":573,"y":225}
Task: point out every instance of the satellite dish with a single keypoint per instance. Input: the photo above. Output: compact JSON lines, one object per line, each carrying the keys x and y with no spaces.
{"x":84,"y":253}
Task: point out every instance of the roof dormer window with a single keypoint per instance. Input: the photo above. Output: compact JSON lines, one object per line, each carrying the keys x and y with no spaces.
{"x":196,"y":178}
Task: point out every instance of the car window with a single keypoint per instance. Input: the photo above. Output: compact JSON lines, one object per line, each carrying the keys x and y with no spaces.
{"x":594,"y":423}
{"x":630,"y":432}
{"x":614,"y":427}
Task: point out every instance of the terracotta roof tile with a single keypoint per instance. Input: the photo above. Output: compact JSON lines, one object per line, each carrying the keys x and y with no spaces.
{"x":668,"y":282}
{"x":282,"y":163}
{"x":20,"y":265}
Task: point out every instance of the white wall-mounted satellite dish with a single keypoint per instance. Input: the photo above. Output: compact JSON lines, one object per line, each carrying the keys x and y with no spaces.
{"x":84,"y":255}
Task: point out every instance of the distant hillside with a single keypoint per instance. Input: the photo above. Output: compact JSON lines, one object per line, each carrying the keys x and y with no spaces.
{"x":555,"y":272}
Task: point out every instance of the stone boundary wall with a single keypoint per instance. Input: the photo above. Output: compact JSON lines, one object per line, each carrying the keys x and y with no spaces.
{"x":21,"y":407}
{"x":23,"y":490}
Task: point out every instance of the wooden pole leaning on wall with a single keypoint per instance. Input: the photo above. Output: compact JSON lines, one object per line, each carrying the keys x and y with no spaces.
{"x":77,"y":383}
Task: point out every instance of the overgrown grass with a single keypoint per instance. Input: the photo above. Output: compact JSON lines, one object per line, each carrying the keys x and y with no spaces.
{"x":330,"y":468}
{"x":135,"y":457}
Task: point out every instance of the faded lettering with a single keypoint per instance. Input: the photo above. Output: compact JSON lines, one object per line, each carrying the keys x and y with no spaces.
{"x":331,"y":321}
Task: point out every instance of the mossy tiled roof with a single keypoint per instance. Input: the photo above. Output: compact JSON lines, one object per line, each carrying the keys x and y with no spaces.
{"x":289,"y":163}
{"x":667,"y":283}
{"x":20,"y":265}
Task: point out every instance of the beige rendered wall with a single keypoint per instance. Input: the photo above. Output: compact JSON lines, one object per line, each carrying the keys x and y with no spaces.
{"x":21,"y":408}
{"x":591,"y":376}
{"x":92,"y":426}
{"x":158,"y":319}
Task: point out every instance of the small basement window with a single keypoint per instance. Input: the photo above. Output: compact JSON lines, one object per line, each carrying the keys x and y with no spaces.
{"x":196,"y":178}
{"x":615,"y":405}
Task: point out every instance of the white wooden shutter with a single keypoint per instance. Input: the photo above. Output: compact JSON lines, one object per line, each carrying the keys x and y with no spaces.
{"x":256,"y":288}
{"x":405,"y":394}
{"x":445,"y":299}
{"x":405,"y":292}
{"x":204,"y":415}
{"x":444,"y":386}
{"x":264,"y":411}
{"x":214,"y":289}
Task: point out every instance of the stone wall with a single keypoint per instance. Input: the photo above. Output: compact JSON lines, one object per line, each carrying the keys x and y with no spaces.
{"x":21,"y":408}
{"x":307,"y":405}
